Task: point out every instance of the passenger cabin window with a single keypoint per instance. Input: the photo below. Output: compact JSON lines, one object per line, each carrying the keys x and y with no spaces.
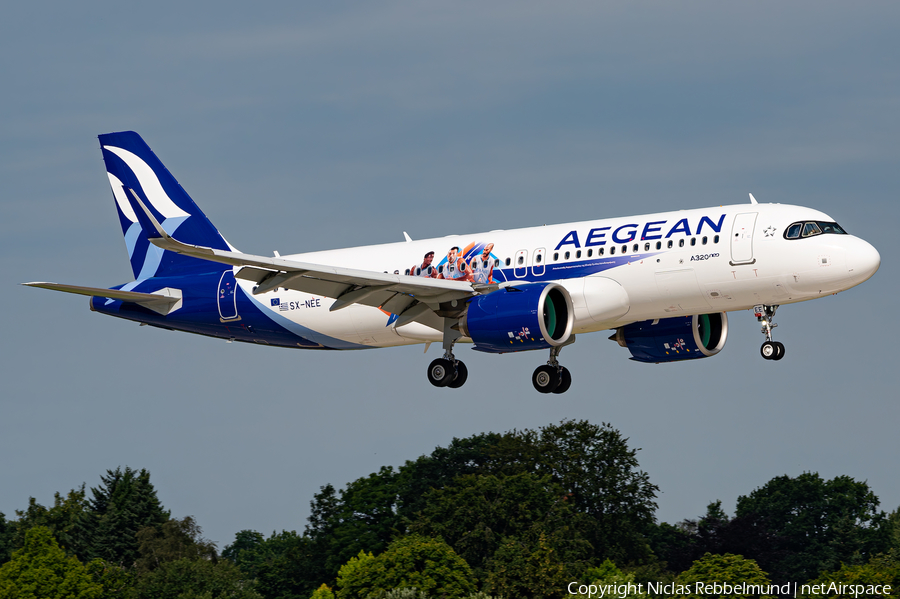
{"x":555,"y":256}
{"x":716,"y":239}
{"x":634,"y":248}
{"x":566,"y":255}
{"x":497,"y":263}
{"x":812,"y":228}
{"x":693,"y":241}
{"x":647,"y":247}
{"x":624,"y":249}
{"x":612,"y":250}
{"x":578,"y":254}
{"x":521,"y":260}
{"x":590,"y":253}
{"x":703,"y":241}
{"x":600,"y":251}
{"x":669,"y":245}
{"x":681,"y":243}
{"x":538,"y":258}
{"x":508,"y":261}
{"x":659,"y":245}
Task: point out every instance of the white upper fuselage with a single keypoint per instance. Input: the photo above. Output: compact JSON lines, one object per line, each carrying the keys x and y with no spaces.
{"x":617,"y":270}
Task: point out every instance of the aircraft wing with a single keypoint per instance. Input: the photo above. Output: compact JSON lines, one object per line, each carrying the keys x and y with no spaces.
{"x":413,"y":298}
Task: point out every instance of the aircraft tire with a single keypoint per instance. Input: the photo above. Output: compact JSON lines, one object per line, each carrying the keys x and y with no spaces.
{"x":780,"y":350}
{"x":545,"y":379}
{"x":768,"y":350}
{"x":459,"y":379}
{"x":440,"y":372}
{"x":565,"y":380}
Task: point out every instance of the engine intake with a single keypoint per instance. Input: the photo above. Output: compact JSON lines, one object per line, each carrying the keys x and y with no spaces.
{"x":519,"y":318}
{"x":674,"y":339}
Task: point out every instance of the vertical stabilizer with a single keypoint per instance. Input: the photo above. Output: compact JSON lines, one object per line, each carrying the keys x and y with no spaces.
{"x":132,"y":165}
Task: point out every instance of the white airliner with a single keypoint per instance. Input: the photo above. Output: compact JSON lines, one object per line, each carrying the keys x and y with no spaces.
{"x":662,"y":282}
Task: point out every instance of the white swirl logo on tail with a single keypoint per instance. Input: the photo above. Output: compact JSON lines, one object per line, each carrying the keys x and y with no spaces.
{"x":156,"y":196}
{"x":153,"y":189}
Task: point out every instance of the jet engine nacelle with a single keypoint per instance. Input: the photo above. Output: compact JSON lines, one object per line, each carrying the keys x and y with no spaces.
{"x":519,"y":318}
{"x":674,"y":339}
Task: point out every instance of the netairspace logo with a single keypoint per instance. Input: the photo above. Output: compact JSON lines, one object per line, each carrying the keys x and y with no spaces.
{"x":621,"y":591}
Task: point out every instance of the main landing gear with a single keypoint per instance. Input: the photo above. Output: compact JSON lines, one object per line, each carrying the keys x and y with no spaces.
{"x":770,"y":350}
{"x":552,"y":377}
{"x":448,"y":371}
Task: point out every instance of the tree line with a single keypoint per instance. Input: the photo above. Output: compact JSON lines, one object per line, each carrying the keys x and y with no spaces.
{"x":517,"y":514}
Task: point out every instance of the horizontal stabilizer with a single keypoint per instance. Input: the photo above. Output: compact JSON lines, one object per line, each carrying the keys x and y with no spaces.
{"x":164,"y":301}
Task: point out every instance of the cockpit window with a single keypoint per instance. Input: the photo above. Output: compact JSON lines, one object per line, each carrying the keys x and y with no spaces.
{"x":832,"y":228}
{"x":812,"y":228}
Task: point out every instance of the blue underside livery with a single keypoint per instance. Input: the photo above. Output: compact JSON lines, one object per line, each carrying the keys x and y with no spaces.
{"x":199,"y":303}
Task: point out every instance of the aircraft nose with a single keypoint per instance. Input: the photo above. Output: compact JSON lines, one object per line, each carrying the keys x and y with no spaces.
{"x":863,"y":260}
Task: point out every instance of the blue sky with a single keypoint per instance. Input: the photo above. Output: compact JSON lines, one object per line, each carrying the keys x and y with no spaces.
{"x":302,"y":126}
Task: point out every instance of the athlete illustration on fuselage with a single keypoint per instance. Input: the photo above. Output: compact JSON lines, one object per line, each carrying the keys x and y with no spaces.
{"x":455,"y":269}
{"x":483,"y":266}
{"x":425,"y":269}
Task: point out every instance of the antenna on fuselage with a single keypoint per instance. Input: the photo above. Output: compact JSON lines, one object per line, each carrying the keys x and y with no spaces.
{"x":753,"y":200}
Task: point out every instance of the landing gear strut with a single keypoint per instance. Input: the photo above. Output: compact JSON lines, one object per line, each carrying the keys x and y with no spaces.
{"x":770,"y":350}
{"x":448,"y":371}
{"x":553,"y":377}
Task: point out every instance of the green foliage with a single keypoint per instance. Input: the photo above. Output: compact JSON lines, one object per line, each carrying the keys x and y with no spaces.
{"x":477,"y":513}
{"x":883,"y":569}
{"x":123,"y":504}
{"x":40,"y":569}
{"x":184,"y":578}
{"x":575,"y":483}
{"x":678,"y":546}
{"x":62,"y":519}
{"x":607,"y":574}
{"x":284,"y":565}
{"x":352,"y":574}
{"x":892,"y":529}
{"x":175,"y":539}
{"x":323,"y":592}
{"x":598,"y":473}
{"x":427,"y":564}
{"x":797,"y":527}
{"x":115,"y":580}
{"x":472,"y":455}
{"x":6,"y":538}
{"x":726,"y":568}
{"x":523,"y":569}
{"x":404,"y":593}
{"x":245,"y":550}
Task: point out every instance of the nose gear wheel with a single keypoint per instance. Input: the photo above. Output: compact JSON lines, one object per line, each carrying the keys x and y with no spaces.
{"x":770,"y":350}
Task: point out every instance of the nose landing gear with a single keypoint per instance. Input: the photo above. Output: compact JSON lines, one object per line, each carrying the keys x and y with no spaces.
{"x":770,"y":350}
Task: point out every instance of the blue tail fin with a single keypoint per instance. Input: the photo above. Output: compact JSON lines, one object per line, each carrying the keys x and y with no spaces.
{"x":131,"y":164}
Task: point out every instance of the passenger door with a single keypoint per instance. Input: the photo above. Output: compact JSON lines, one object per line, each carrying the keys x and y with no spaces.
{"x":742,"y":238}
